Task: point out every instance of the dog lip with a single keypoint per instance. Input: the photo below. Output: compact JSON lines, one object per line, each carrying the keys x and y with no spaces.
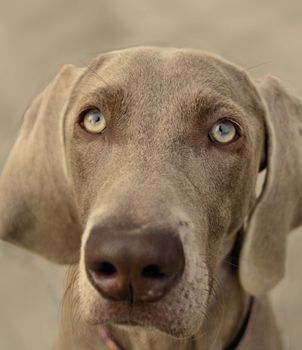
{"x":132,"y":316}
{"x":119,"y":321}
{"x":126,"y":319}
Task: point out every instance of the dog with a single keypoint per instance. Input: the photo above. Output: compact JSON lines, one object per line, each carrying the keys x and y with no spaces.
{"x":139,"y":172}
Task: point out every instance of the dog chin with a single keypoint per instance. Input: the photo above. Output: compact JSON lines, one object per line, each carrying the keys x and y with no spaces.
{"x":130,"y":325}
{"x":145,"y":316}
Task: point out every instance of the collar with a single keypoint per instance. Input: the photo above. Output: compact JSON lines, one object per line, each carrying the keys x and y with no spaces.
{"x":237,"y":341}
{"x":111,"y":343}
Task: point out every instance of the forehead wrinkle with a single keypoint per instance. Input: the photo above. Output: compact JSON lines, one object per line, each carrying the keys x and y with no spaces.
{"x":110,"y":94}
{"x":207,"y":103}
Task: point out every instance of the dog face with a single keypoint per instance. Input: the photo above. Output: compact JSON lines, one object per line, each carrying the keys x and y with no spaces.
{"x":146,"y":171}
{"x":156,"y":167}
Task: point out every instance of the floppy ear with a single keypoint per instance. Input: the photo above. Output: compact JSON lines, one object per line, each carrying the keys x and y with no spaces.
{"x":37,"y":209}
{"x":279,"y":207}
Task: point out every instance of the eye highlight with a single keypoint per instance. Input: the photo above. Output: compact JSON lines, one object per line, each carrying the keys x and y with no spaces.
{"x":93,"y":121}
{"x":224,"y":132}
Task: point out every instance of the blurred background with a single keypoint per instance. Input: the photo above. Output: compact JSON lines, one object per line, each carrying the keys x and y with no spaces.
{"x":38,"y":37}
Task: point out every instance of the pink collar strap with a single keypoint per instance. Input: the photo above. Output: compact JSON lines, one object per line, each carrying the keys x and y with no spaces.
{"x":107,"y":339}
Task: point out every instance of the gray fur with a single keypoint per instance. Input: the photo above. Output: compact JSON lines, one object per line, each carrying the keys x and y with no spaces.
{"x":156,"y":164}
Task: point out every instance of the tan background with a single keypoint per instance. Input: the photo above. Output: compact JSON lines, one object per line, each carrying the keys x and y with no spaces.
{"x":37,"y":37}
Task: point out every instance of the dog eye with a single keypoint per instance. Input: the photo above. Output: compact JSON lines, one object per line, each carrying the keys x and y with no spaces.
{"x":93,"y":121}
{"x":224,"y":131}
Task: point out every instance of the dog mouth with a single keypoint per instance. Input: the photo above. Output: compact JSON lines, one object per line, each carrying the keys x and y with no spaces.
{"x":175,"y":315}
{"x":136,"y":314}
{"x":151,"y":316}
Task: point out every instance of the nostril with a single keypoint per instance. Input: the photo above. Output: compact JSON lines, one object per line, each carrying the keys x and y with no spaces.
{"x":136,"y":266}
{"x":105,"y":269}
{"x":153,"y":272}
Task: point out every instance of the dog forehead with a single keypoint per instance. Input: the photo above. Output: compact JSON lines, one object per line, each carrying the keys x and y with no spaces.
{"x":166,"y":68}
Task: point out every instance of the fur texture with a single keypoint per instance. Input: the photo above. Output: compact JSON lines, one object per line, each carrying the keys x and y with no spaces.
{"x":155,"y":164}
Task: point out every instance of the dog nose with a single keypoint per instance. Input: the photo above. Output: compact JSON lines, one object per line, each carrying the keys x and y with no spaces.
{"x":133,"y":266}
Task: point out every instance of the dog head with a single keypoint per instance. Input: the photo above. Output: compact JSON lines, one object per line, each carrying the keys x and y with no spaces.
{"x":142,"y":169}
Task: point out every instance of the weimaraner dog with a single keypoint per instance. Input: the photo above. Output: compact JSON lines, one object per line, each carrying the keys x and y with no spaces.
{"x":139,"y":171}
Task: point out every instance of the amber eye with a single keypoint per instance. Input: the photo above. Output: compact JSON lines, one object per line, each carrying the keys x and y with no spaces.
{"x":93,"y":121}
{"x":223,"y":132}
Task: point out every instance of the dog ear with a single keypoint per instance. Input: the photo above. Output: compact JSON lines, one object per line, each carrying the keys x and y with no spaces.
{"x":37,"y":209}
{"x":279,"y":208}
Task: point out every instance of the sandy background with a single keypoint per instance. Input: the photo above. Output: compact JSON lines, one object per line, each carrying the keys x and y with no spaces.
{"x":37,"y":37}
